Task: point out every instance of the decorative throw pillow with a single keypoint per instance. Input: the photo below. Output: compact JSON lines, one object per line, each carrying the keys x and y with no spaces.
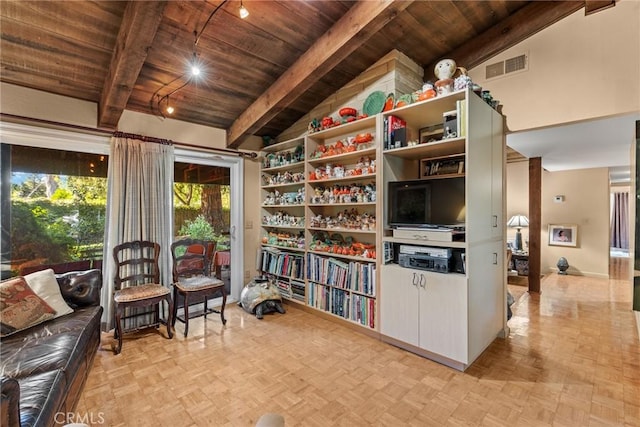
{"x":20,"y":307}
{"x":45,"y":285}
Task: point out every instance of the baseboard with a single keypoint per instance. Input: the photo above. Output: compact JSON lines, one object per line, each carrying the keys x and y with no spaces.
{"x":571,"y":272}
{"x":637,"y":313}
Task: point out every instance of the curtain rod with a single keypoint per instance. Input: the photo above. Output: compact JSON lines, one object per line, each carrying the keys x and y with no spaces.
{"x":117,"y":134}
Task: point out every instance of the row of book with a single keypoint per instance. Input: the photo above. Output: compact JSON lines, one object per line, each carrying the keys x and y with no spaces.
{"x":297,"y":290}
{"x":353,"y":276}
{"x":291,"y":289}
{"x":319,"y":296}
{"x":281,"y":263}
{"x":363,"y":310}
{"x":394,"y":132}
{"x":357,"y":308}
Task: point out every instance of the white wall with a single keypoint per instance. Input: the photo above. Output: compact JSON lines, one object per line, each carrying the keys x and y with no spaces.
{"x":586,"y":204}
{"x":581,"y":67}
{"x":21,"y":101}
{"x":588,"y":209}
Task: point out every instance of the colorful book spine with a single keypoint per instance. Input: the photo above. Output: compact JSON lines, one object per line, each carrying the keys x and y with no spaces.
{"x":282,"y":263}
{"x":353,"y":276}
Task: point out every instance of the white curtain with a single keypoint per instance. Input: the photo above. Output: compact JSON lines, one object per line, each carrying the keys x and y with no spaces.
{"x":139,"y":206}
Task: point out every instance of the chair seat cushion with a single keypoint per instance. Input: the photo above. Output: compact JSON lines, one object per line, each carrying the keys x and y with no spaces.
{"x":140,"y":292}
{"x":196,"y":283}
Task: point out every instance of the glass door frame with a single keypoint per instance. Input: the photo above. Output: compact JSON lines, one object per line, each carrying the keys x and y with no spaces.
{"x":236,"y":231}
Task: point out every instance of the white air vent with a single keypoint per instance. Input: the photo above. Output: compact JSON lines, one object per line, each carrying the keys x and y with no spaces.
{"x":495,"y":70}
{"x":511,"y":65}
{"x":515,"y":64}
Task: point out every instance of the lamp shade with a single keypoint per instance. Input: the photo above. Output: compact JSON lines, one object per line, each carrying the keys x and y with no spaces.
{"x":518,"y":221}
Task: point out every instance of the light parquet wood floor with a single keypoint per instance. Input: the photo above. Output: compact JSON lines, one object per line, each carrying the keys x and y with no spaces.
{"x":572,"y":359}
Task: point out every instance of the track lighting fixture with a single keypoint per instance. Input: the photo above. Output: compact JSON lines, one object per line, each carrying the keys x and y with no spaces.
{"x":243,"y":11}
{"x":195,"y":70}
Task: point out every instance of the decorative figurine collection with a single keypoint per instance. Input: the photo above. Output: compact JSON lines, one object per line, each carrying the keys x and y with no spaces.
{"x":349,"y":145}
{"x":283,"y":178}
{"x":284,"y":239}
{"x":347,"y":115}
{"x":275,"y":198}
{"x":282,"y":218}
{"x":351,"y":220}
{"x":364,"y":166}
{"x":283,"y":158}
{"x":337,"y":245}
{"x":445,"y":71}
{"x":354,"y":193}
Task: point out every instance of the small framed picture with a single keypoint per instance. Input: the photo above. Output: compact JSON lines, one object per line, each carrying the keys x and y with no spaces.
{"x":563,"y":235}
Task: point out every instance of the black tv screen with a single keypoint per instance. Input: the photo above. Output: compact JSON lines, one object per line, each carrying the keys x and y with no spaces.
{"x":426,"y":203}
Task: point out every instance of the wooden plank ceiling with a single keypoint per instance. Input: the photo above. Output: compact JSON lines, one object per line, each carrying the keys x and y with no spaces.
{"x":260,"y":74}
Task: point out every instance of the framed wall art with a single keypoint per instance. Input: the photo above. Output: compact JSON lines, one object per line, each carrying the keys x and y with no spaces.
{"x":563,"y":235}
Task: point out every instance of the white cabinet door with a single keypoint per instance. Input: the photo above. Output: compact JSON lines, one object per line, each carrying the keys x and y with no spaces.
{"x":443,"y":315}
{"x":399,"y":303}
{"x":498,"y":205}
{"x":479,"y":219}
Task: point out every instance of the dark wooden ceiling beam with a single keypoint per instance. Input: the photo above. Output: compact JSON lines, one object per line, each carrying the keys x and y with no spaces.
{"x":527,"y":21}
{"x":139,"y":26}
{"x":362,"y":21}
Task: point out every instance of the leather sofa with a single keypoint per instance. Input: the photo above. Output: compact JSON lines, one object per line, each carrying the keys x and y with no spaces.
{"x":44,"y":368}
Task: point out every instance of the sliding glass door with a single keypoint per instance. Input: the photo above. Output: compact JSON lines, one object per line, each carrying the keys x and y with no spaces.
{"x":208,"y":205}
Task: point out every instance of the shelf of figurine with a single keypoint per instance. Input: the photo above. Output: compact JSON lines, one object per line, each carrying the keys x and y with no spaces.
{"x":286,"y":178}
{"x":347,"y":220}
{"x":350,"y":146}
{"x":284,"y":239}
{"x":290,"y":199}
{"x":363,"y":167}
{"x":347,"y":115}
{"x":282,"y":219}
{"x":344,"y":194}
{"x":283,"y":158}
{"x":323,"y":243}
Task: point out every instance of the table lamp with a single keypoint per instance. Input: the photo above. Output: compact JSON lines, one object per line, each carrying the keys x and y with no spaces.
{"x":517,"y":222}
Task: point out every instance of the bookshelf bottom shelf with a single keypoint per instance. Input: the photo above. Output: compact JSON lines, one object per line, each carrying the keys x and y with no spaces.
{"x":342,"y":303}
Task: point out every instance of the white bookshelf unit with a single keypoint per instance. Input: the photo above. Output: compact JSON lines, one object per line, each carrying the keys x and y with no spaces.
{"x":282,"y":217}
{"x":450,"y":317}
{"x":342,"y":221}
{"x":329,"y":213}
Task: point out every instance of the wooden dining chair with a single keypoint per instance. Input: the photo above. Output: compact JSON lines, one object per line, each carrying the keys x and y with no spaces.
{"x":137,"y":285}
{"x":192,"y":280}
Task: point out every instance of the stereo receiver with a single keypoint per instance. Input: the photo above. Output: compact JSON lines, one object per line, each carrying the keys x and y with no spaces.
{"x":425,"y":262}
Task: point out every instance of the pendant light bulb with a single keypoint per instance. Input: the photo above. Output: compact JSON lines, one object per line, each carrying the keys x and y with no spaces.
{"x":169,"y":108}
{"x":243,"y":11}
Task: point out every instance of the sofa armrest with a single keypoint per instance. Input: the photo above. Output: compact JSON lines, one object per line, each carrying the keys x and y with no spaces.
{"x":81,"y":288}
{"x":10,"y":404}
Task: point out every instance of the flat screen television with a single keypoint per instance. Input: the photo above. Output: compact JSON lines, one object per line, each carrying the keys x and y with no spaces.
{"x":426,"y":203}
